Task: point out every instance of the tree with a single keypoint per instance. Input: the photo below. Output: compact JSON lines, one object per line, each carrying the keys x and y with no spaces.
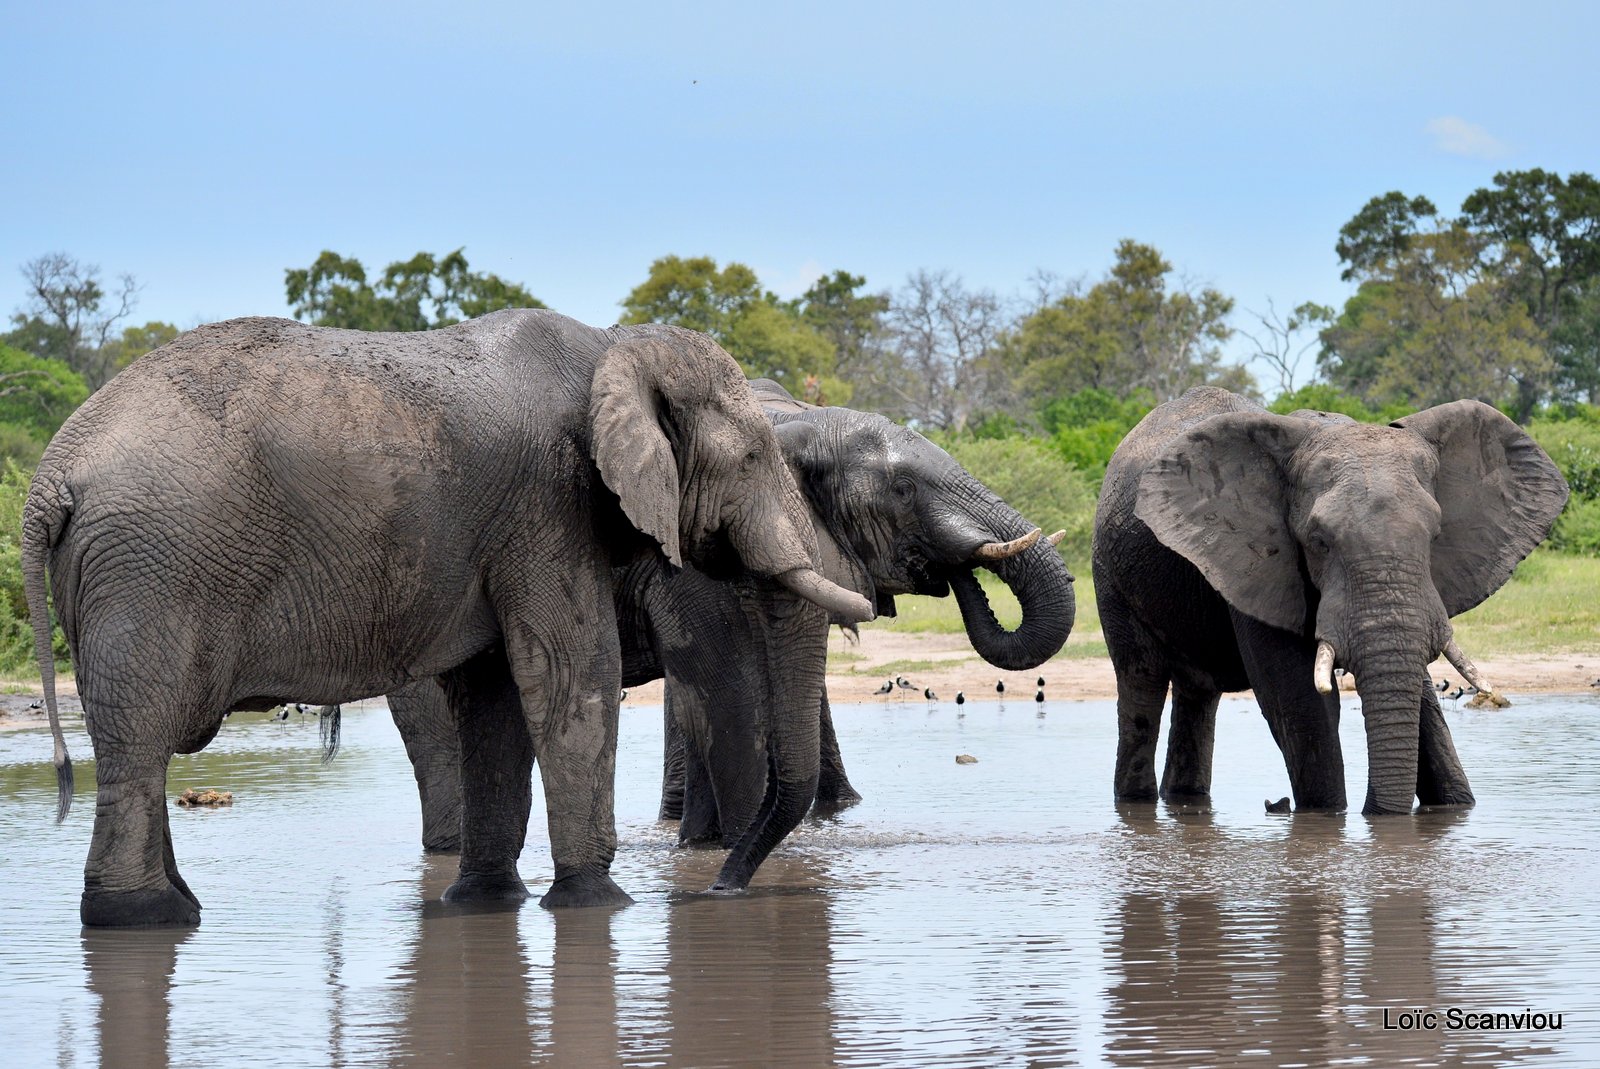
{"x":1127,"y":333}
{"x":136,"y":341}
{"x":334,"y":292}
{"x":36,"y":395}
{"x":941,"y":370}
{"x":1380,"y":231}
{"x":1283,"y":343}
{"x":1433,"y":322}
{"x":770,"y":338}
{"x":1543,"y":233}
{"x":854,"y":324}
{"x":70,"y":315}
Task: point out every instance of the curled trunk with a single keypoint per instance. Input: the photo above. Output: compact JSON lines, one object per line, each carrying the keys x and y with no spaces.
{"x":1043,"y":586}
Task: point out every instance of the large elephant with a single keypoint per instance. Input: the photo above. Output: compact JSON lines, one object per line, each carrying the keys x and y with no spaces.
{"x":263,"y":510}
{"x":894,"y":514}
{"x":1236,"y":549}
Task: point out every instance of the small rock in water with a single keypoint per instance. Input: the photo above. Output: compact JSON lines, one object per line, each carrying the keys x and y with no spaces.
{"x":1488,"y":699}
{"x":965,"y":759}
{"x":1282,"y":805}
{"x":208,"y":797}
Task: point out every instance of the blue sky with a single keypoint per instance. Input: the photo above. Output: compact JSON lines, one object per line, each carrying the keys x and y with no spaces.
{"x":206,"y":148}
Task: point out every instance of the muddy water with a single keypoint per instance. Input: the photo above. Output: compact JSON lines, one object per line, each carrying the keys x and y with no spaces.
{"x":997,"y":913}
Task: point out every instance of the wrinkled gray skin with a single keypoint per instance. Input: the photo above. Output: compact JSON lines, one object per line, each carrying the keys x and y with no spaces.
{"x":1229,"y":541}
{"x":894,"y":514}
{"x":263,"y":511}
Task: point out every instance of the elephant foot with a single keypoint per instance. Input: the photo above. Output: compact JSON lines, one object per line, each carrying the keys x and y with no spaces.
{"x":584,"y":888}
{"x":1184,"y":796}
{"x":702,"y":839}
{"x":479,"y":888}
{"x":442,"y":844}
{"x":166,"y":908}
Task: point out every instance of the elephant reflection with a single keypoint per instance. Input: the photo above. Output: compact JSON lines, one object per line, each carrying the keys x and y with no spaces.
{"x":746,"y":982}
{"x":131,"y":974}
{"x":1290,"y":974}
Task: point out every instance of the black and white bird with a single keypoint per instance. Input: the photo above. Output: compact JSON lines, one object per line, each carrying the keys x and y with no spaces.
{"x":1442,"y":686}
{"x":928,"y":693}
{"x":1000,"y":686}
{"x":887,"y":688}
{"x":904,"y":684}
{"x":961,"y":699}
{"x":1038,"y":695}
{"x":1041,"y":681}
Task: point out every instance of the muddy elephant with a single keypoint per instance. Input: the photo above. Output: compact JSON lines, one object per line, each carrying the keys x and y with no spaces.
{"x":893,"y":514}
{"x":263,"y":510}
{"x":1236,"y":549}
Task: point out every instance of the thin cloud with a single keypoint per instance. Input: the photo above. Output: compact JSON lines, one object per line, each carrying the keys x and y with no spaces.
{"x":1458,"y":137}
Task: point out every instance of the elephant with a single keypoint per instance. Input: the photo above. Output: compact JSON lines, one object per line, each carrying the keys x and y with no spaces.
{"x":893,"y":514}
{"x":263,"y":510}
{"x":1235,"y":548}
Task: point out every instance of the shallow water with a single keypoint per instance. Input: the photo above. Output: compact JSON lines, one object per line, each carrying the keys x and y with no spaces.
{"x":998,"y":913}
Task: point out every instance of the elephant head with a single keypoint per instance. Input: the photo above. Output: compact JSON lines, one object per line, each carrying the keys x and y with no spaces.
{"x":897,"y":515}
{"x":1366,"y":539}
{"x":694,"y":464}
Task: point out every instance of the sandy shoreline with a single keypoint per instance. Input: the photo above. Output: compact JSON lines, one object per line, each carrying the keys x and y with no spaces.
{"x":947,"y":665}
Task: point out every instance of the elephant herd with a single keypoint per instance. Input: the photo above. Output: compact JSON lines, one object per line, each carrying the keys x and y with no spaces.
{"x":500,"y":524}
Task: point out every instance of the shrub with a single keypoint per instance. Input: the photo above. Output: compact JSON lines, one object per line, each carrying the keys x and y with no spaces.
{"x":1033,"y":479}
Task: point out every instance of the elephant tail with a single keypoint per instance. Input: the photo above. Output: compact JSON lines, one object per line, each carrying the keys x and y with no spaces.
{"x":44,"y":517}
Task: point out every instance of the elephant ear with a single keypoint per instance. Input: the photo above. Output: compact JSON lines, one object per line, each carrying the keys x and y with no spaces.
{"x":1499,"y":493}
{"x":630,"y":448}
{"x":1218,"y":495}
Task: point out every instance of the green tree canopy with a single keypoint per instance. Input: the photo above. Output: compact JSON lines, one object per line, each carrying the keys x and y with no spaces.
{"x":770,"y":338}
{"x":1134,"y":330}
{"x":422,"y":293}
{"x":36,"y":397}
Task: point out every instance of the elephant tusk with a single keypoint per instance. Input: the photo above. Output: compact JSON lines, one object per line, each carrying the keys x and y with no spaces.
{"x":1001,"y":550}
{"x":1055,"y":539}
{"x":1322,"y":673}
{"x":846,"y":605}
{"x":1464,"y":665}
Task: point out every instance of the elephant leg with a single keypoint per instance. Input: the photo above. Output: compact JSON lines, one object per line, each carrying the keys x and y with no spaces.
{"x":1142,"y":678}
{"x":834,"y":791}
{"x":569,"y":685}
{"x":673,"y":770}
{"x":1186,"y":777}
{"x":131,"y":878}
{"x":700,"y":825}
{"x":1304,"y":724}
{"x":1440,"y":778}
{"x":427,"y":726}
{"x":496,"y":771}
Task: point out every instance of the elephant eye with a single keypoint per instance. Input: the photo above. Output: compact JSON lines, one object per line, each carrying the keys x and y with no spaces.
{"x":751,"y":459}
{"x":905,"y":489}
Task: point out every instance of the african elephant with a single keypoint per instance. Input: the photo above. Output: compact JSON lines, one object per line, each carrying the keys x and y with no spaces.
{"x":894,"y":514}
{"x":263,"y":510}
{"x":1235,"y":549}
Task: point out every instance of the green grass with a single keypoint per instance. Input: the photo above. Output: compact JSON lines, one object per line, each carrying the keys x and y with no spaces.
{"x":1550,"y":605}
{"x":941,"y":616}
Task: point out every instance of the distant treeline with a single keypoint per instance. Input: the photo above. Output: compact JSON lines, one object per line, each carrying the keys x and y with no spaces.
{"x":1500,"y":302}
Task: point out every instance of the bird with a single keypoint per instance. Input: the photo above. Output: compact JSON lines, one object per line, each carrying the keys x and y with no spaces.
{"x":1280,"y":806}
{"x":1038,"y":695}
{"x":34,"y":705}
{"x":1455,"y":694}
{"x":929,"y":694}
{"x":961,"y":699}
{"x":284,"y":715}
{"x":887,"y":688}
{"x":1442,"y":686}
{"x":1000,"y":686}
{"x":622,"y":698}
{"x":1596,"y":683}
{"x":904,"y":684}
{"x":1041,"y":681}
{"x":300,"y":707}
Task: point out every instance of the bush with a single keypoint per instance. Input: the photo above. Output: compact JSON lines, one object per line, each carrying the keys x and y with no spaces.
{"x":1086,"y":427}
{"x":1574,"y":444}
{"x":1033,"y":479}
{"x":1578,"y":529}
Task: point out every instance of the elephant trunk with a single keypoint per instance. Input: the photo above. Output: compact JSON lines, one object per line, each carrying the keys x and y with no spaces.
{"x":1389,"y":654}
{"x":1040,"y":580}
{"x":793,"y":679}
